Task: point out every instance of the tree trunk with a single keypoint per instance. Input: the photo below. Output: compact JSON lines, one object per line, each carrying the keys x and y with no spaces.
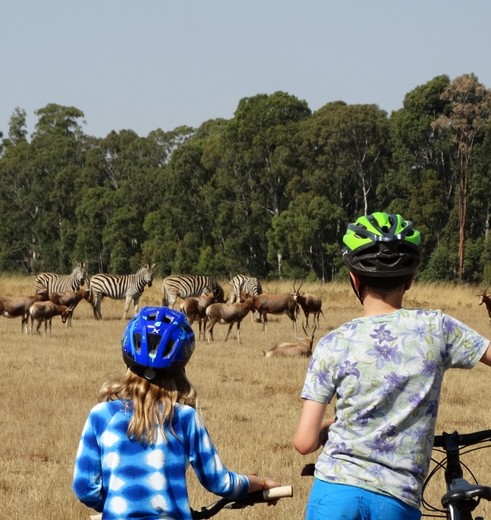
{"x":462,"y":218}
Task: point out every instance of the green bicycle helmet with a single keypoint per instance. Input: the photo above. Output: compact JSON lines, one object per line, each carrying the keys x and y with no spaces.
{"x":382,"y":245}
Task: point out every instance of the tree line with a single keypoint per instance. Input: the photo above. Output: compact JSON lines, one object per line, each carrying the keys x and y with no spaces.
{"x":267,"y":193}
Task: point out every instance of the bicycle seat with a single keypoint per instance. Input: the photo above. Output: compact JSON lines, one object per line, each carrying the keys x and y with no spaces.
{"x":465,"y":491}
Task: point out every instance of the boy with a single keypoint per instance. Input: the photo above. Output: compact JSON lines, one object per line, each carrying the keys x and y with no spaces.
{"x":386,"y":370}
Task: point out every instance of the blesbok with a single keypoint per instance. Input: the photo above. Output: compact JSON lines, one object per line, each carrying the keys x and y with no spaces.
{"x":15,"y":306}
{"x":70,"y":299}
{"x":242,"y":285}
{"x":44,"y":312}
{"x":276,"y":304}
{"x":486,"y":299}
{"x":310,"y":304}
{"x":227,"y":314}
{"x":195,"y":307}
{"x":302,"y":348}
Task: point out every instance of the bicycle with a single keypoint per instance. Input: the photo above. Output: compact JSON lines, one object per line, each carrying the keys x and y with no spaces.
{"x":257,"y":497}
{"x":461,"y":497}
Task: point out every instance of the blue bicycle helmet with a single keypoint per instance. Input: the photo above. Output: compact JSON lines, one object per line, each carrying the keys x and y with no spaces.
{"x":157,"y":342}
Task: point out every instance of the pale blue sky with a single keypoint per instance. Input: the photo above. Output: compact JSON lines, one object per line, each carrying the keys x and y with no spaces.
{"x":151,"y":64}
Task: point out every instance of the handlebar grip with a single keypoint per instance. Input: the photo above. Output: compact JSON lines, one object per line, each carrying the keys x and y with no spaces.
{"x":277,"y":492}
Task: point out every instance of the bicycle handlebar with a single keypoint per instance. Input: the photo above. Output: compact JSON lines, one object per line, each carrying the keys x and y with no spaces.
{"x":464,"y":439}
{"x":257,"y":497}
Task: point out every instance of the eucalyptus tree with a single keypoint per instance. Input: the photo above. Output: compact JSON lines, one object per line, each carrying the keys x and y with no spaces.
{"x":56,"y":155}
{"x":301,"y":238}
{"x":257,"y":160}
{"x":124,"y":171}
{"x":345,"y":150}
{"x":468,"y":115}
{"x":179,"y":228}
{"x":16,"y":205}
{"x":421,"y":181}
{"x":17,"y":128}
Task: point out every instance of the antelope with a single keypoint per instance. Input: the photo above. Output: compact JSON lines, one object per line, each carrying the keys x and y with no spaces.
{"x":195,"y":307}
{"x":227,"y":313}
{"x":302,"y":348}
{"x":310,"y":303}
{"x":70,"y":299}
{"x":45,"y":312}
{"x":486,"y":299}
{"x":276,"y":304}
{"x":15,"y":306}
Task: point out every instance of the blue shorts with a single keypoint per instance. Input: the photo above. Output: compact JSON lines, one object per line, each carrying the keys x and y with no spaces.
{"x":342,"y":502}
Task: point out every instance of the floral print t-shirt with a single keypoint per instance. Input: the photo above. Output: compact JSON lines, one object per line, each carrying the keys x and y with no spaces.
{"x":386,"y":373}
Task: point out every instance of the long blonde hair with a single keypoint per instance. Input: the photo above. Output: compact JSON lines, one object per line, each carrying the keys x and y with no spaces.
{"x":153,"y":403}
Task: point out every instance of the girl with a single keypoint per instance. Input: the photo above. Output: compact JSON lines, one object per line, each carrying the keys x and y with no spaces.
{"x":138,"y":441}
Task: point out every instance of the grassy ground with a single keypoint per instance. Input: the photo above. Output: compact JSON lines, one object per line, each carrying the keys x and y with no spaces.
{"x":250,"y":404}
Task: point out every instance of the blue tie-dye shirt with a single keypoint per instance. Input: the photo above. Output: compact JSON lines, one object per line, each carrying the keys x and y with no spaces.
{"x":125,"y":479}
{"x":386,"y":373}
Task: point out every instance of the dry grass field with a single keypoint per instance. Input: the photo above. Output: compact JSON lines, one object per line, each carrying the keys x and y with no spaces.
{"x":250,"y":404}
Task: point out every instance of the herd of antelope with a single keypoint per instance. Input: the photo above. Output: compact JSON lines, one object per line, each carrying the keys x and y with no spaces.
{"x":202,"y":301}
{"x":202,"y":298}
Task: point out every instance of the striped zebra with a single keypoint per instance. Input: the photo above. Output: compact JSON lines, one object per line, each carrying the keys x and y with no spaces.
{"x":184,"y":286}
{"x":246,"y":285}
{"x":129,"y":287}
{"x":53,"y":282}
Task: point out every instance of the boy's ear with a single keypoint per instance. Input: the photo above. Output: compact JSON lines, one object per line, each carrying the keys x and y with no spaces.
{"x":408,"y":284}
{"x":355,"y":281}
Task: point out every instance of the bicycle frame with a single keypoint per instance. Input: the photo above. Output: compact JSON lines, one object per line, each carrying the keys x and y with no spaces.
{"x":461,"y":497}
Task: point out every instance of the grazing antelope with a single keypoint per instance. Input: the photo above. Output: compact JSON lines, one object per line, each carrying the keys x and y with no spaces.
{"x":302,"y":348}
{"x":44,"y":312}
{"x":240,"y":285}
{"x":310,"y":304}
{"x":15,"y":306}
{"x":195,"y":307}
{"x":70,"y":299}
{"x":276,"y":304}
{"x":227,"y":313}
{"x":486,"y":299}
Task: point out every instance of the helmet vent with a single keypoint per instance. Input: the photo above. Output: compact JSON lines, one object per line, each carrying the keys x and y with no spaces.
{"x":137,"y":341}
{"x":153,"y":342}
{"x":168,"y":347}
{"x":188,"y":328}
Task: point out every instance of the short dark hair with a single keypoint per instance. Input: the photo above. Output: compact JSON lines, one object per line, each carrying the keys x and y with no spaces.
{"x":385,"y":285}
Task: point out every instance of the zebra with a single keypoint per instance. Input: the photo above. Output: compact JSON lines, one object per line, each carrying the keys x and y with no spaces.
{"x":184,"y":286}
{"x":129,"y":287}
{"x":246,"y":285}
{"x":53,"y":282}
